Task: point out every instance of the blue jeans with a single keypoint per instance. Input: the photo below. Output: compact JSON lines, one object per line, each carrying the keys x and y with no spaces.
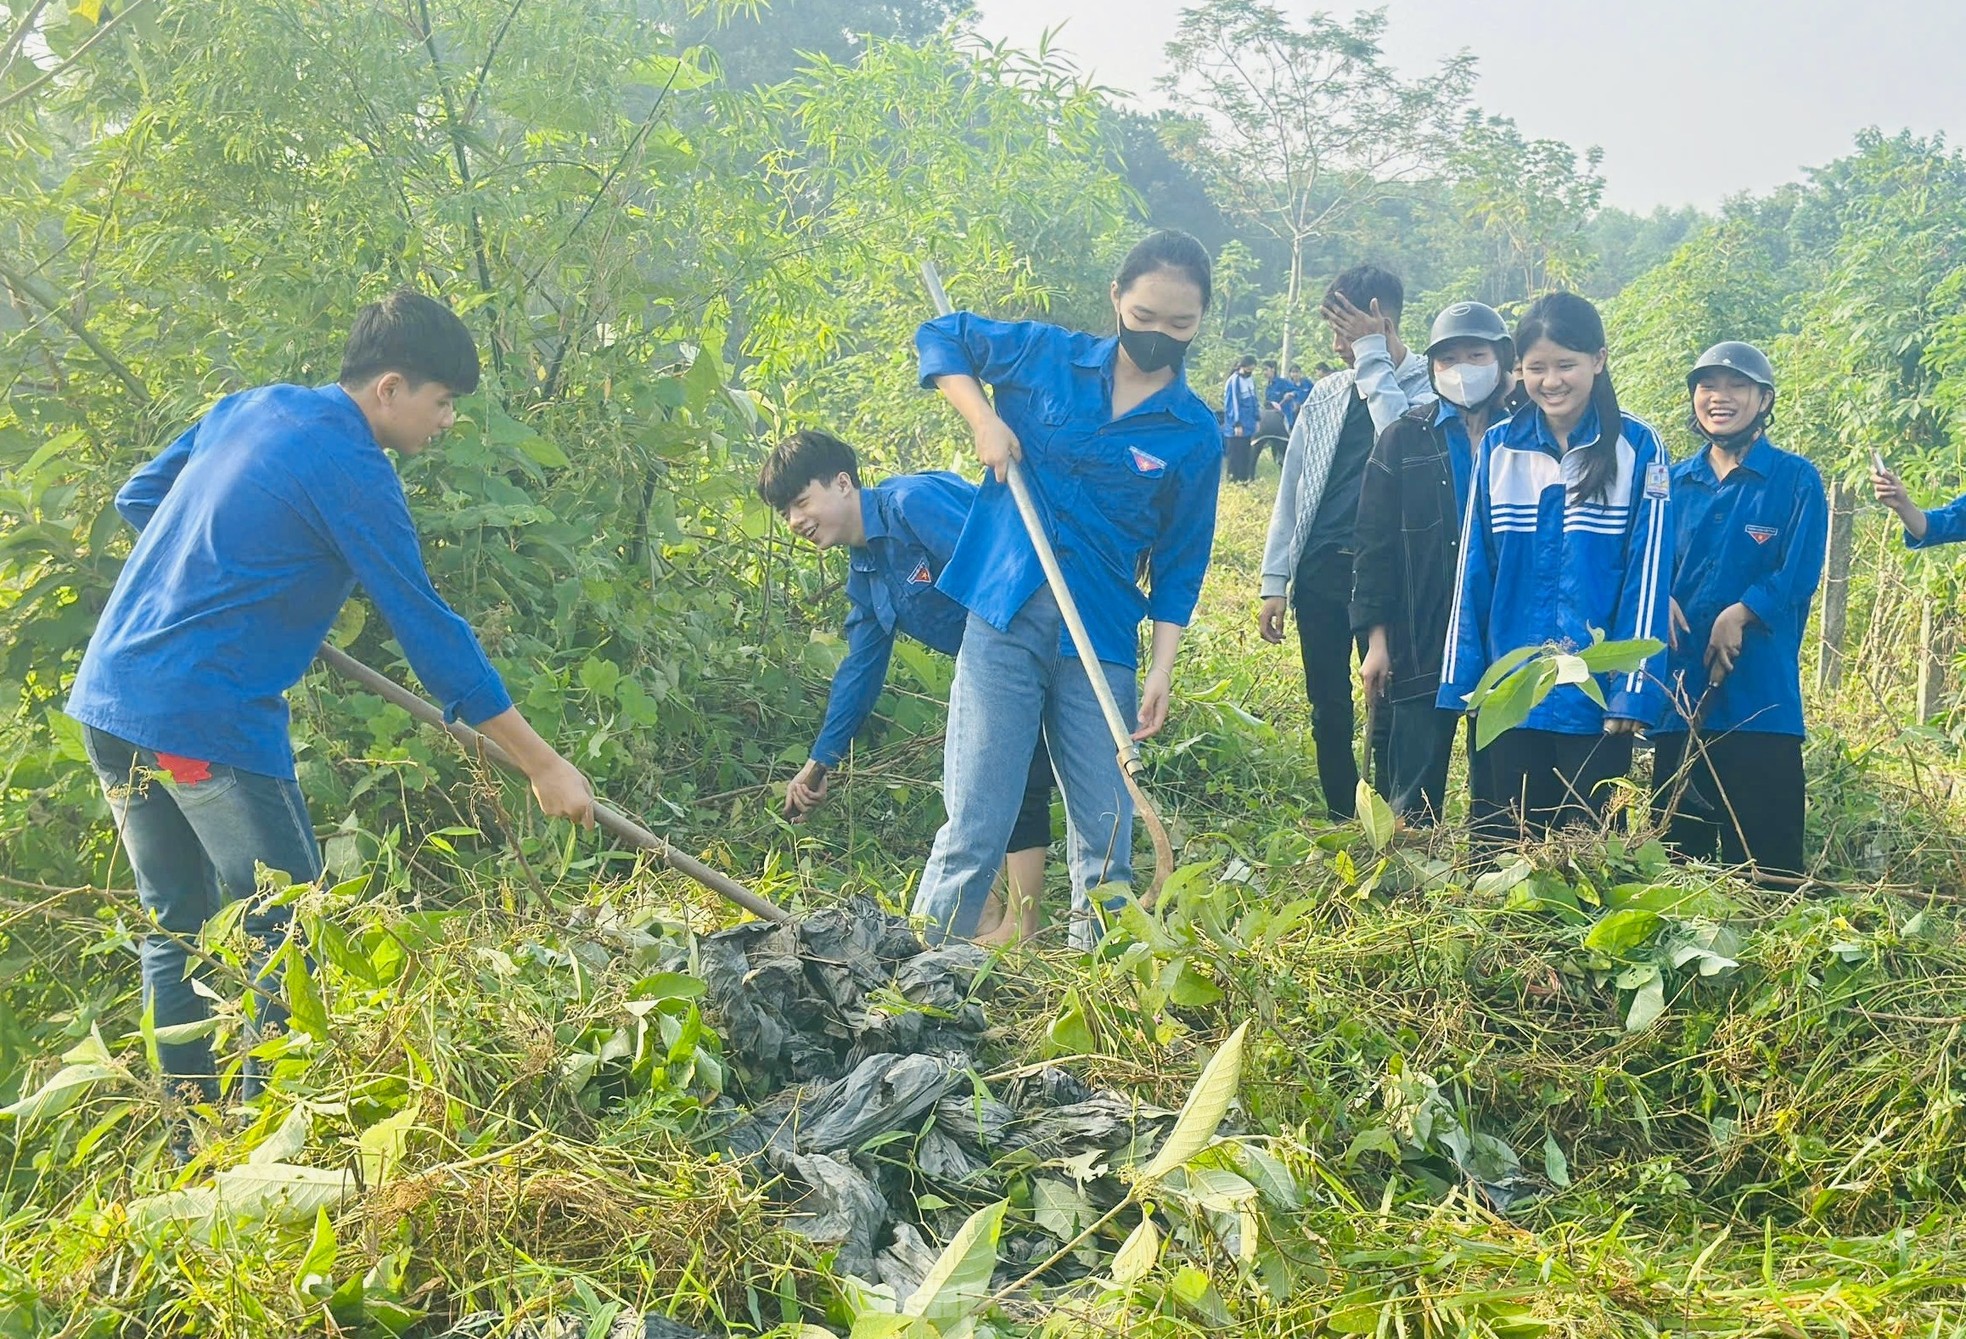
{"x":1009,"y":684}
{"x":194,"y":848}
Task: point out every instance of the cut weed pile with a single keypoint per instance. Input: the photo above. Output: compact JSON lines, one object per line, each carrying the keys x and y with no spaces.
{"x":1578,"y":1094}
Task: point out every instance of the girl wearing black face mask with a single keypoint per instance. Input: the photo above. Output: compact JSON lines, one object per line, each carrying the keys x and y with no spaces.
{"x":1123,"y":461}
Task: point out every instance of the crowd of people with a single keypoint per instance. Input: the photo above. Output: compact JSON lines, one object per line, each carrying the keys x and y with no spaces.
{"x":1437,"y":512}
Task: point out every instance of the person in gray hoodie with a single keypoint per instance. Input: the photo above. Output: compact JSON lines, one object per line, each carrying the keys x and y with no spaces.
{"x":1307,"y":560}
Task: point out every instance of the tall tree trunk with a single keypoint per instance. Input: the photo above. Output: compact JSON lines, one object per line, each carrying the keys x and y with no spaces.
{"x":1836,"y":588}
{"x":1290,"y":302}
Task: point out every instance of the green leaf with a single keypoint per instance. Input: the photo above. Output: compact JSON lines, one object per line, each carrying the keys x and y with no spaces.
{"x":1375,"y":816}
{"x":1648,"y":1003}
{"x":381,"y":1146}
{"x":1201,"y":1115}
{"x":1137,"y":1254}
{"x":286,"y":1142}
{"x":959,"y":1281}
{"x":1618,"y":933}
{"x":1555,"y":1165}
{"x":315,"y":1273}
{"x":279,"y":1192}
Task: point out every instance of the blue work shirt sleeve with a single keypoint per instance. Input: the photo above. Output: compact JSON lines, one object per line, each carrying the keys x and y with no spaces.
{"x":1179,"y":558}
{"x":1465,"y":657}
{"x":378,"y":541}
{"x":857,"y":685}
{"x":965,"y":344}
{"x":137,"y":501}
{"x":1644,"y":602}
{"x":1943,"y":525}
{"x":1781,"y":599}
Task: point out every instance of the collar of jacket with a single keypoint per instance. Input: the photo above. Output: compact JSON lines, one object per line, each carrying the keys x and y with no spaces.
{"x":1182,"y":402}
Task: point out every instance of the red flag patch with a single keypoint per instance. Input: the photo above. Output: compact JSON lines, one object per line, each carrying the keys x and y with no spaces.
{"x":921,"y":576}
{"x":185,"y":771}
{"x":1146,"y":464}
{"x":1761,"y":534}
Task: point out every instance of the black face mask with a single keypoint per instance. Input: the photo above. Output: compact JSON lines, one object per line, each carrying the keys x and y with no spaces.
{"x":1151,"y":350}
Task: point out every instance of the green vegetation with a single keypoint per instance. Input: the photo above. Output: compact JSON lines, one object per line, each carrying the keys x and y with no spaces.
{"x":1584,"y":1093}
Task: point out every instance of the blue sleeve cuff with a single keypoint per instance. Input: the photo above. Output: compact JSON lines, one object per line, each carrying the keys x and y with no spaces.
{"x":484,"y":700}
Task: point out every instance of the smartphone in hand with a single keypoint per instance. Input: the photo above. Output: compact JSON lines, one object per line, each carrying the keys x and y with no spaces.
{"x":1877,"y":462}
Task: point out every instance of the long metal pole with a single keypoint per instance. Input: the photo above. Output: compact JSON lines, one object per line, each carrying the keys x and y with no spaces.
{"x":616,"y":823}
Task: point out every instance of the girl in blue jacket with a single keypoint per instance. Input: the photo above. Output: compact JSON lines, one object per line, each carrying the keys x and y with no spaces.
{"x":1124,"y":463}
{"x":1568,"y":533}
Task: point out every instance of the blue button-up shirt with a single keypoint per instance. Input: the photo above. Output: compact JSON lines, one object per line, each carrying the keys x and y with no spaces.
{"x":1943,"y":525}
{"x":1110,"y":491}
{"x":912,"y":523}
{"x":1754,"y":538}
{"x":256,"y":524}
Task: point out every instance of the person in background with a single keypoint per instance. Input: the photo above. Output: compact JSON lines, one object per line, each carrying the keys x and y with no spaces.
{"x":1410,"y":510}
{"x":1123,"y":462}
{"x":900,"y":533}
{"x":1282,"y":394}
{"x":1750,"y":525}
{"x":1240,"y":416}
{"x":1923,"y":529}
{"x":1568,"y":533}
{"x":1307,"y":558}
{"x":254,"y":527}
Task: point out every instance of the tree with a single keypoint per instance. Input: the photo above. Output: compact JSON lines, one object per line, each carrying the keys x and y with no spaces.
{"x":1529,"y":203}
{"x":1306,"y":125}
{"x":759,"y":44}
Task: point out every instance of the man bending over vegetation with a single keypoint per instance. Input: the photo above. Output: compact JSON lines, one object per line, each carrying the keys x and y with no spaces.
{"x":254,"y":527}
{"x":901,"y":533}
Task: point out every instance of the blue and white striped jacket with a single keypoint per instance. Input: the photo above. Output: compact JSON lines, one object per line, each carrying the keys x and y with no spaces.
{"x":1538,"y":566}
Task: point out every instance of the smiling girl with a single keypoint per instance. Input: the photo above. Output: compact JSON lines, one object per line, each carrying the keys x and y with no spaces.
{"x":1123,"y":461}
{"x":1567,"y":534}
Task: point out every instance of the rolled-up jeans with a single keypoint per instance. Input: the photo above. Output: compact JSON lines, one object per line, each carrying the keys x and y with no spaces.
{"x":1009,"y":684}
{"x":195,"y":847}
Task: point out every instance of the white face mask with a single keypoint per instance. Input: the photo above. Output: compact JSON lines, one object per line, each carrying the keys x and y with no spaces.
{"x":1467,"y":384}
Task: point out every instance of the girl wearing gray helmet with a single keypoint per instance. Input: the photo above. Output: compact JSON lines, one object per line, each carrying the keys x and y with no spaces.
{"x":1414,"y":494}
{"x":1750,"y":523}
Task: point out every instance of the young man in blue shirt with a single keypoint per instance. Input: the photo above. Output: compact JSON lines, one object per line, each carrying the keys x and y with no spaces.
{"x":254,"y":527}
{"x":1750,"y":522}
{"x":901,"y":533}
{"x":1240,"y":413}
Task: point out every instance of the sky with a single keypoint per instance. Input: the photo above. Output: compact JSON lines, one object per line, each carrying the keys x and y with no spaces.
{"x":1691,"y":100}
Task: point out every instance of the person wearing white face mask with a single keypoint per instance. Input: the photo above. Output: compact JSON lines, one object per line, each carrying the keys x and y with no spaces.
{"x":1411,"y":504}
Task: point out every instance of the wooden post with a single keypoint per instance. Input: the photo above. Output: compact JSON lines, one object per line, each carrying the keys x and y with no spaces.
{"x":1935,"y":646}
{"x":1836,"y":588}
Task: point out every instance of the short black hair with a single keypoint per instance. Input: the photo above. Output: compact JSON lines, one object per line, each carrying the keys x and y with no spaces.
{"x":797,"y":461}
{"x":1247,"y":360}
{"x":412,"y":334}
{"x":1361,"y":285}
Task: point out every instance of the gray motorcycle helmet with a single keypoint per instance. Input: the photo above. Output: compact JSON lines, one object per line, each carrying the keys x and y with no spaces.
{"x":1735,"y":356}
{"x":1473,"y":320}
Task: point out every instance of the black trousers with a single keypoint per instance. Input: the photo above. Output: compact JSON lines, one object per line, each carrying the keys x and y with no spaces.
{"x":1742,"y":797}
{"x":1540,"y":779}
{"x":1033,"y":826}
{"x":1324,"y":638}
{"x":1240,"y":452}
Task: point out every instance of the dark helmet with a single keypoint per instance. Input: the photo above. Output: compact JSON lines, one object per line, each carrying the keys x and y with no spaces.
{"x":1735,"y":356}
{"x":1472,"y":320}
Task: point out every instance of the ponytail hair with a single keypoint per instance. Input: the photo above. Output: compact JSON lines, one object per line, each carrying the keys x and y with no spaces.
{"x":1572,"y":322}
